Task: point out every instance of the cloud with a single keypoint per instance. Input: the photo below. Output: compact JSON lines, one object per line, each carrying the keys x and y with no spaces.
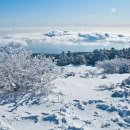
{"x":59,"y":40}
{"x":113,"y":10}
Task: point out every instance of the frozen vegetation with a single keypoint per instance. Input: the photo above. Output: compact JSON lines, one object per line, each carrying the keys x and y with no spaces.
{"x":91,"y":58}
{"x":114,"y":66}
{"x":22,"y":75}
{"x":38,"y":95}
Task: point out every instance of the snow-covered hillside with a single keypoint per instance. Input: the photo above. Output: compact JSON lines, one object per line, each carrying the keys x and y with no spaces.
{"x":82,"y":101}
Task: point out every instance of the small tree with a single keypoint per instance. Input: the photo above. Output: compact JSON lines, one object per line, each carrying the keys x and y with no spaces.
{"x":63,"y":59}
{"x":79,"y":60}
{"x":19,"y":71}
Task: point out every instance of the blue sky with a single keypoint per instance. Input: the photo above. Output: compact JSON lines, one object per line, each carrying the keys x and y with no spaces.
{"x":37,"y":13}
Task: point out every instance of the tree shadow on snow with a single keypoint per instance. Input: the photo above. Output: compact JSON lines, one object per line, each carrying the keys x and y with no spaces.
{"x":18,"y":98}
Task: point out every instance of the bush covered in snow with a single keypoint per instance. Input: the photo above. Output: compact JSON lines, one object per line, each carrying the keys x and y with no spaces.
{"x":114,"y":66}
{"x":19,"y":71}
{"x":90,"y":58}
{"x":66,"y":59}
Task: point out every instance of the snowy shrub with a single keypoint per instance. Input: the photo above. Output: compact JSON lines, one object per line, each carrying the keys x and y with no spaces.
{"x":85,"y":75}
{"x":114,"y":66}
{"x":69,"y":74}
{"x":93,"y":72}
{"x":126,"y":82}
{"x":99,"y":56}
{"x":19,"y":71}
{"x":63,"y":60}
{"x":124,"y":68}
{"x":118,"y":94}
{"x":105,"y":125}
{"x":106,"y":107}
{"x":107,"y":87}
{"x":79,"y":60}
{"x":103,"y":76}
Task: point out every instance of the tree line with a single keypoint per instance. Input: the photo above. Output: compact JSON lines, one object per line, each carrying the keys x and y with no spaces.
{"x":90,"y":58}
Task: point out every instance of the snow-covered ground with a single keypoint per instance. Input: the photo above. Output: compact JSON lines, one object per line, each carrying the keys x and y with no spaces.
{"x":82,"y":101}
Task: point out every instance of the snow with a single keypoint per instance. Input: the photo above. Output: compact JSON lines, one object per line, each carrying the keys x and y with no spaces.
{"x":79,"y":103}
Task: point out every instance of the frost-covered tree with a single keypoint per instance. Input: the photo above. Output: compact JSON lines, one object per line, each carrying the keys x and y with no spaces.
{"x":99,"y":55}
{"x":63,"y":59}
{"x":114,"y":66}
{"x":112,"y":53}
{"x":19,"y":71}
{"x":79,"y":60}
{"x":124,"y":68}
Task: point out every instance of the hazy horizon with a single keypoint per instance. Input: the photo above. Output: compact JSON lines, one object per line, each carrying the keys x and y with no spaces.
{"x":53,"y":26}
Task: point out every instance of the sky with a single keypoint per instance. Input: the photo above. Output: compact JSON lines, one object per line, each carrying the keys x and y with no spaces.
{"x":47,"y":13}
